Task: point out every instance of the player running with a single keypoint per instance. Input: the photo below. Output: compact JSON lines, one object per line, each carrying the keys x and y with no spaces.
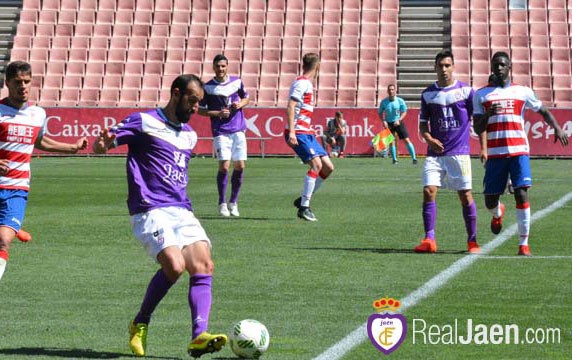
{"x":499,"y":114}
{"x":302,"y":138}
{"x":22,"y":127}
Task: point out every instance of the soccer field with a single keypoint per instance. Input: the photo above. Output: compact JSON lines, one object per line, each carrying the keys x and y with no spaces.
{"x":71,"y":292}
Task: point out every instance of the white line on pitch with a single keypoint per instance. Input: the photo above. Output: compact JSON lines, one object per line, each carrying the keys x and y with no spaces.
{"x":359,"y":335}
{"x":494,"y":257}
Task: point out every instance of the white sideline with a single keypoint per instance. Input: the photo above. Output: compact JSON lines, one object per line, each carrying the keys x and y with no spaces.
{"x":359,"y":335}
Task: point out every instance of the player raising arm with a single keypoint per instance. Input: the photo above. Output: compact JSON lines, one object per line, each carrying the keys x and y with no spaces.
{"x":159,"y":144}
{"x":22,"y":128}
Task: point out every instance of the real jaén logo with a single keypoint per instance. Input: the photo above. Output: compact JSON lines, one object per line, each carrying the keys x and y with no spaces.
{"x":386,"y":329}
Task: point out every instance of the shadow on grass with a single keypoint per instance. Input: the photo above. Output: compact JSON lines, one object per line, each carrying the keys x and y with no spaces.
{"x":384,"y":251}
{"x":231,"y":218}
{"x":72,"y":353}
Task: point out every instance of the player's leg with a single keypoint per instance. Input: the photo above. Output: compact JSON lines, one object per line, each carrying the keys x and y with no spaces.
{"x":341,"y":140}
{"x":7,"y":234}
{"x":496,"y":175}
{"x":521,"y":178}
{"x":404,"y":135}
{"x":470,"y":218}
{"x":12,"y":210}
{"x":198,"y":263}
{"x":154,"y":232}
{"x":239,"y":155}
{"x":432,"y":181}
{"x":223,"y":147}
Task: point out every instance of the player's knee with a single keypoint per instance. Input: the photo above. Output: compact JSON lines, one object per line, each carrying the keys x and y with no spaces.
{"x":491,"y":202}
{"x":203,"y":266}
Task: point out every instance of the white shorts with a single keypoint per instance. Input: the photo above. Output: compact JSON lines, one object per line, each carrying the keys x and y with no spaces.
{"x":451,"y":172}
{"x":231,"y":146}
{"x":169,"y":226}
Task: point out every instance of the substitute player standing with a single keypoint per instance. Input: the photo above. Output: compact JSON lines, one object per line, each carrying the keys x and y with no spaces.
{"x":22,"y":128}
{"x":302,"y":138}
{"x":160,"y":143}
{"x":225,"y":97}
{"x":445,"y":124}
{"x":499,"y":113}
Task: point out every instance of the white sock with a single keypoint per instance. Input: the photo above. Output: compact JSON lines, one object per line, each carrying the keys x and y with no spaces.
{"x":496,"y":211}
{"x":309,"y":186}
{"x":2,"y":267}
{"x":523,"y":220}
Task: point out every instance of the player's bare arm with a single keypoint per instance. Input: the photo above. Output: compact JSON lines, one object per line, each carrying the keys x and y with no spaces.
{"x":237,"y":105}
{"x":480,"y":121}
{"x":4,"y":166}
{"x":48,"y":144}
{"x":103,"y":142}
{"x":559,"y":134}
{"x":433,"y":143}
{"x":290,"y":111}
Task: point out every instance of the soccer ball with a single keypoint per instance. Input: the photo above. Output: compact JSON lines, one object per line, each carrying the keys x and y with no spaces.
{"x":249,"y":339}
{"x":333,"y":154}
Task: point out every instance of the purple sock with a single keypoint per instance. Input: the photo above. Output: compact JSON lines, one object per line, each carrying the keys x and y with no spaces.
{"x":200,"y":299}
{"x":236,"y":181}
{"x":221,"y":181}
{"x":429,"y":216}
{"x":470,"y":216}
{"x":156,"y":291}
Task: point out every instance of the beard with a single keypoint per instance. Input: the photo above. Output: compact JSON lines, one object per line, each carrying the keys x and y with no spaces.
{"x":183,"y":116}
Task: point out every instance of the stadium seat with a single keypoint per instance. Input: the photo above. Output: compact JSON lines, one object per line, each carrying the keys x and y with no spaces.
{"x":540,"y":67}
{"x":73,"y":68}
{"x":562,"y":82}
{"x":366,"y":97}
{"x":67,"y":17}
{"x":112,"y":82}
{"x":90,"y":81}
{"x":346,"y":97}
{"x":107,"y":5}
{"x":69,"y":97}
{"x":86,"y":17}
{"x":89,"y":97}
{"x":326,"y":97}
{"x":108,"y":97}
{"x":459,"y":4}
{"x":149,"y":97}
{"x":49,"y":97}
{"x":97,"y":55}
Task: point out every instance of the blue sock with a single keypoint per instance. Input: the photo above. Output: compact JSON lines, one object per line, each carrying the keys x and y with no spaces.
{"x":411,"y":150}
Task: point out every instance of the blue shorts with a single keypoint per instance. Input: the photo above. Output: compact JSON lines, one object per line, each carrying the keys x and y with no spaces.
{"x":498,"y":170}
{"x":308,"y":147}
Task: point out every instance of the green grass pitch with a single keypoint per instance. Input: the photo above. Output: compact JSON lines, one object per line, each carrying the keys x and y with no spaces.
{"x":70,"y":293}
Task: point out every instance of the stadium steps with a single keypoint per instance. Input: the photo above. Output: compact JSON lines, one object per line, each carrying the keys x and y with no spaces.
{"x":9,"y":15}
{"x":424,"y":30}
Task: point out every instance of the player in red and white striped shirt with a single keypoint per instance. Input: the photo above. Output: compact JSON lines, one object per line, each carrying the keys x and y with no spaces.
{"x":21,"y":130}
{"x":499,"y":112}
{"x":300,"y":135}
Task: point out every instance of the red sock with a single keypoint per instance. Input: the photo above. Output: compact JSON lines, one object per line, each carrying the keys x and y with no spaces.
{"x":4,"y":255}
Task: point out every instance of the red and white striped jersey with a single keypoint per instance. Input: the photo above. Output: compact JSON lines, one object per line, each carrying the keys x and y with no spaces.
{"x":302,"y":91}
{"x":19,"y":129}
{"x":506,"y":135}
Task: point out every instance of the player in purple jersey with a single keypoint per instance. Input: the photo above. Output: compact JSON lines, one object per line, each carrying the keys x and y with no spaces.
{"x":159,"y":149}
{"x":224,"y":99}
{"x":445,"y":124}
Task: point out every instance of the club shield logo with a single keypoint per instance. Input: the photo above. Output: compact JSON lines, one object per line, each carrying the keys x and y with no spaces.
{"x":386,"y":329}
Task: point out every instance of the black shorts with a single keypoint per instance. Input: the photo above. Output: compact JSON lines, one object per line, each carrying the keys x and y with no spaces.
{"x":400,"y":130}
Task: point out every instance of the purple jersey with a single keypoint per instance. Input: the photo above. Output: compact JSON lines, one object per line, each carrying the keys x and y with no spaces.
{"x":448,"y":111}
{"x":220,"y":95}
{"x":157,"y":160}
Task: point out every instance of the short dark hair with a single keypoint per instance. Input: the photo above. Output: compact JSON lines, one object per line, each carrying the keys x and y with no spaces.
{"x":218,"y":58}
{"x":181,"y":82}
{"x":310,"y":61}
{"x":500,"y":54}
{"x":445,"y":53}
{"x":339,"y":113}
{"x":16,"y":67}
{"x":390,"y":85}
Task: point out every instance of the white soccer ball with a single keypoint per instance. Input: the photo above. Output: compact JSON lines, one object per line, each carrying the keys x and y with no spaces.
{"x":333,"y":154}
{"x":249,"y":339}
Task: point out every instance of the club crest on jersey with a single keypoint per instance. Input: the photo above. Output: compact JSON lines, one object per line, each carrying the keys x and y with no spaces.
{"x":159,"y":237}
{"x":386,"y":329}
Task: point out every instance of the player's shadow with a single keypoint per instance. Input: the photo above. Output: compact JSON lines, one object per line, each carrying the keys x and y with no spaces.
{"x":231,"y":218}
{"x":384,"y":250}
{"x":72,"y":353}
